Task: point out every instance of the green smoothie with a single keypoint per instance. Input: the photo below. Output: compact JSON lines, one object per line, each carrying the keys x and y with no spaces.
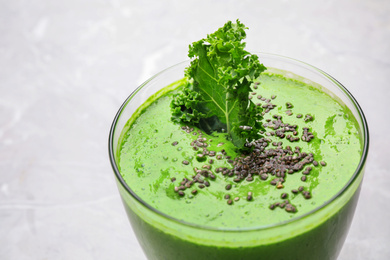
{"x":154,"y":149}
{"x":239,"y":161}
{"x":157,"y":156}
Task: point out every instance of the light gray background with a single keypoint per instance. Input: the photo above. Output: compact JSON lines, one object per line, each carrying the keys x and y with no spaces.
{"x":66,"y":67}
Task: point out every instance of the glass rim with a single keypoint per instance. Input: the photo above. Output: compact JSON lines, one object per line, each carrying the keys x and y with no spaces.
{"x":358,"y":171}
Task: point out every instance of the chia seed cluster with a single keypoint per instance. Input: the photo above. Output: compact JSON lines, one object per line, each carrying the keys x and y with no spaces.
{"x":266,"y":161}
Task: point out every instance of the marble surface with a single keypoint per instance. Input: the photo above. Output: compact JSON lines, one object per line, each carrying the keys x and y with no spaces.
{"x":66,"y":67}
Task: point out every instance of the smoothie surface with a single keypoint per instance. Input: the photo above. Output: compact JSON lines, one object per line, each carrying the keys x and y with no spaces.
{"x":156,"y":154}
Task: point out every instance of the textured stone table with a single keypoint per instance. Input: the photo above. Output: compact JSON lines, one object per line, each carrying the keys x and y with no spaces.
{"x":66,"y":67}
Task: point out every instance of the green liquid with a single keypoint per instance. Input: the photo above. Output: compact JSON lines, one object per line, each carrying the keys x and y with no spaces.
{"x":148,"y":161}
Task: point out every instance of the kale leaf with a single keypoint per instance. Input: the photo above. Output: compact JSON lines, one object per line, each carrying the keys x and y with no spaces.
{"x":220,"y":77}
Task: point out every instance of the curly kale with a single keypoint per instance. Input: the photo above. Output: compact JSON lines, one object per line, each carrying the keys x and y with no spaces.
{"x":220,"y":77}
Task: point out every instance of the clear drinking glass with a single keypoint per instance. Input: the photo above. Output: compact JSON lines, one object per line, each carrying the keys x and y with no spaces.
{"x":319,"y":234}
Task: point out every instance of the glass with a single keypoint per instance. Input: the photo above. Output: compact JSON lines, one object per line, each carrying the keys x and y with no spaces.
{"x":319,"y":234}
